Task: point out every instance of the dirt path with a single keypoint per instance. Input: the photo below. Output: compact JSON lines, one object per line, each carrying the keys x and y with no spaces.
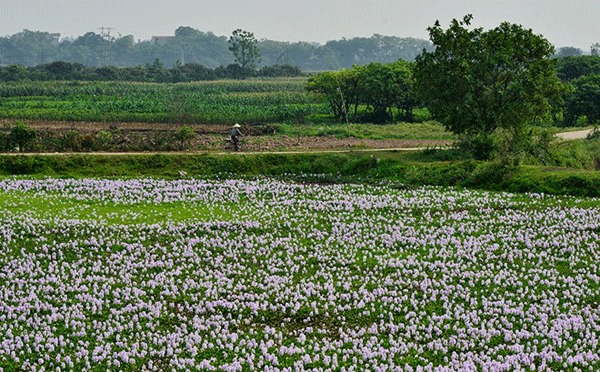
{"x":209,"y":140}
{"x":574,"y":135}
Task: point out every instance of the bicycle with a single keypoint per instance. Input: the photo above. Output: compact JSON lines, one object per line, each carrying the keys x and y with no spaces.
{"x":229,"y":145}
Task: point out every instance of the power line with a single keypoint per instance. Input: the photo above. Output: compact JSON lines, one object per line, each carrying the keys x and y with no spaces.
{"x":105,"y":33}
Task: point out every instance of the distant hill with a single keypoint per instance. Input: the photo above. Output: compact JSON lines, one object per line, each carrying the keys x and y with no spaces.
{"x":188,"y":45}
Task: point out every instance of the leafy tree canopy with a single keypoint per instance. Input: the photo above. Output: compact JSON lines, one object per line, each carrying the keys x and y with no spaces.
{"x":477,"y":81}
{"x":382,"y":88}
{"x":570,"y":68}
{"x":568,"y":52}
{"x":595,"y":49}
{"x":244,"y":47}
{"x":584,"y":101}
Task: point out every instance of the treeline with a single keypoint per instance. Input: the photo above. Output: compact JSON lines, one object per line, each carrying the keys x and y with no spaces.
{"x":382,"y":93}
{"x":581,"y":75}
{"x":191,"y":46}
{"x":155,"y":72}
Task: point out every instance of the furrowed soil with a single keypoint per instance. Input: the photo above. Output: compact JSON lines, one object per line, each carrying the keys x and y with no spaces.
{"x":257,"y":138}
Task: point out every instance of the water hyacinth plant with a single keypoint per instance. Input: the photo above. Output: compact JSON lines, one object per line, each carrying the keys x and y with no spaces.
{"x":149,"y":274}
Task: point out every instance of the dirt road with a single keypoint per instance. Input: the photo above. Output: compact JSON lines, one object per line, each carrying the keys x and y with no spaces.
{"x":574,"y":135}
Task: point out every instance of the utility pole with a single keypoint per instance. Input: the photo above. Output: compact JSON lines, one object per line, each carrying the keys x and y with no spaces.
{"x":105,"y":32}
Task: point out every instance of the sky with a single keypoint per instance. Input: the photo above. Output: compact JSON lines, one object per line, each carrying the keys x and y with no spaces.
{"x":563,"y":22}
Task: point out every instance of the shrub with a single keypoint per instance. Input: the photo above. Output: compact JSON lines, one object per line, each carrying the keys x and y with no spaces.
{"x":594,"y":135}
{"x":481,"y":146}
{"x":489,"y":175}
{"x":184,"y":135}
{"x":102,"y":140}
{"x":21,"y":136}
{"x":70,"y":141}
{"x":4,"y":142}
{"x":583,"y":154}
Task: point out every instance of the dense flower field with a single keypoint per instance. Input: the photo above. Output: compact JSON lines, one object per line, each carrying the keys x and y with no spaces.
{"x":271,"y":275}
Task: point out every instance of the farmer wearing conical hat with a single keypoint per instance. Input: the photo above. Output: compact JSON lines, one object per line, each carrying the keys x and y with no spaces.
{"x":235,"y":136}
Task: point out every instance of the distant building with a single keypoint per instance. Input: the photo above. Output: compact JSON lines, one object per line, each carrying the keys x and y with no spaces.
{"x":161,"y":40}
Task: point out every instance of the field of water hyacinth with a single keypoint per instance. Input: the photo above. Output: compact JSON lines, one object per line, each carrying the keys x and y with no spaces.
{"x":149,"y":274}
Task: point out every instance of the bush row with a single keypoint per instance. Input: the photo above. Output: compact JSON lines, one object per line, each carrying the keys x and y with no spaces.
{"x":21,"y":138}
{"x":155,"y":72}
{"x":314,"y":168}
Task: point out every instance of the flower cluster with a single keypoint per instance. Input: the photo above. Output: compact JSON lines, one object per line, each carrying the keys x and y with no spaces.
{"x":262,"y":274}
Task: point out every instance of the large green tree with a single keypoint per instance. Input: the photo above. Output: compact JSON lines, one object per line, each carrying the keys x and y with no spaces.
{"x":477,"y":81}
{"x":386,"y":87}
{"x":244,"y":47}
{"x":329,"y":84}
{"x":381,"y":89}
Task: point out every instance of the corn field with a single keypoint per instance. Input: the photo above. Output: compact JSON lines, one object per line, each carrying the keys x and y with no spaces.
{"x":249,"y":101}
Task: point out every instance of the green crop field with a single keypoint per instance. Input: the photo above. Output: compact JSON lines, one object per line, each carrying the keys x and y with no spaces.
{"x":249,"y":101}
{"x":259,"y":274}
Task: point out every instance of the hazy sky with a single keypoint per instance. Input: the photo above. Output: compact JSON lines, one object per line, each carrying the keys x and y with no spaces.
{"x":562,"y":22}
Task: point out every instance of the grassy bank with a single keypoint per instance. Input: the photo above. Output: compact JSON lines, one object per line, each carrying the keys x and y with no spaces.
{"x":429,"y":130}
{"x":397,"y":167}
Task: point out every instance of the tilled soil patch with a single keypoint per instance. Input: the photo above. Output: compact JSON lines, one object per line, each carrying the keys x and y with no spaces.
{"x":128,"y":137}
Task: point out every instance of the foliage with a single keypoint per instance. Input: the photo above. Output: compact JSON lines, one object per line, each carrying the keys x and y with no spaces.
{"x":184,"y":135}
{"x":244,"y":47}
{"x":570,"y":68}
{"x":394,"y":91}
{"x":280,"y":71}
{"x":13,"y":73}
{"x":582,"y":154}
{"x":327,"y":85}
{"x":339,"y":167}
{"x":191,"y":46}
{"x":568,"y":51}
{"x":430,"y":130}
{"x":377,"y":48}
{"x":535,"y":147}
{"x":481,"y":145}
{"x":584,"y":101}
{"x":594,"y":135}
{"x":234,"y":71}
{"x":191,"y":72}
{"x":381,"y":88}
{"x":477,"y":81}
{"x":21,"y":136}
{"x":154,"y":72}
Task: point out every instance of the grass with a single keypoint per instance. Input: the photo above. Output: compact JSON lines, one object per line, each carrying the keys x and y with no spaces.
{"x":56,"y":207}
{"x":582,"y":153}
{"x":430,"y":130}
{"x":432,"y":167}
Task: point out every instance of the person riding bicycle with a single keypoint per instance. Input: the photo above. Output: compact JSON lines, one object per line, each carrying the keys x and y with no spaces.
{"x":235,"y":136}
